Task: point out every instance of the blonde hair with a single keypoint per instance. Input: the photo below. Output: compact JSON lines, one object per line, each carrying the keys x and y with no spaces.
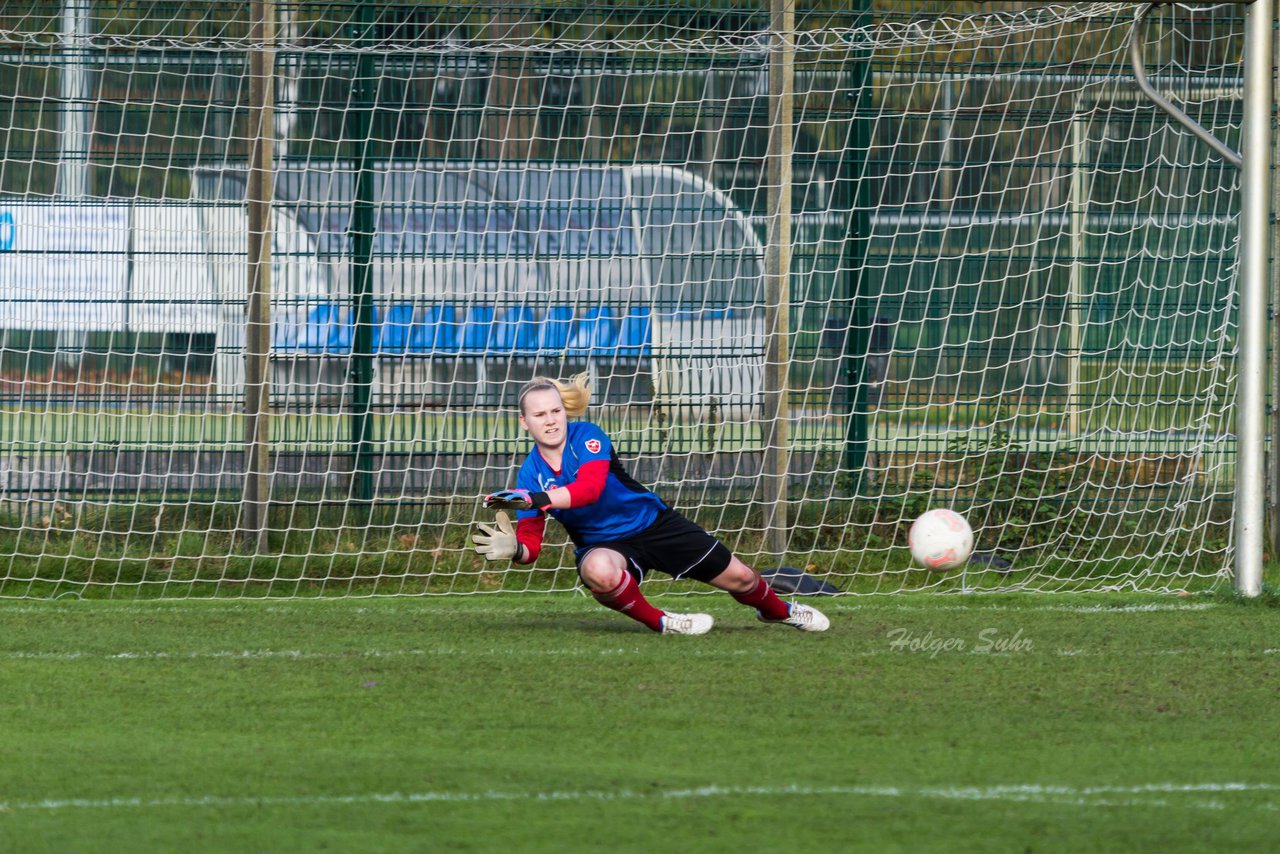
{"x":575,"y":393}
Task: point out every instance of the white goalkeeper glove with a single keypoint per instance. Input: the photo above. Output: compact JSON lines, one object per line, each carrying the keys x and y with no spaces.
{"x":497,"y":544}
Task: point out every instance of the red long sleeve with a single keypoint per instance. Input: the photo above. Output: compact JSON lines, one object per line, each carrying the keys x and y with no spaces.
{"x":585,"y":489}
{"x":529,"y":534}
{"x":589,"y":484}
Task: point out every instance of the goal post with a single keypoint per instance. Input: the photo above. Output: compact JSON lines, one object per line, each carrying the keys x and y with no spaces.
{"x":827,"y":269}
{"x":1255,"y":227}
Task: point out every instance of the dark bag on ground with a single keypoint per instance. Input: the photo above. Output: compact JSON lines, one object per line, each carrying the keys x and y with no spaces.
{"x":788,"y":579}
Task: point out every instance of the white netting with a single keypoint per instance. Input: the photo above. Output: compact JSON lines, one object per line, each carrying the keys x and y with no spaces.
{"x":1011,"y":286}
{"x":351,"y":27}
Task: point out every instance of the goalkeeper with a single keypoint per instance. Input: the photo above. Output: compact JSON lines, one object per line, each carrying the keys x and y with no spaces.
{"x":619,"y":529}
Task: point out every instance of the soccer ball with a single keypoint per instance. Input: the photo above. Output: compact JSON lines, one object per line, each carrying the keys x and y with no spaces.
{"x":940,"y":540}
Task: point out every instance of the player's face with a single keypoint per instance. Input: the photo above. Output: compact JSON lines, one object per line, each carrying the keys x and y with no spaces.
{"x":544,"y":417}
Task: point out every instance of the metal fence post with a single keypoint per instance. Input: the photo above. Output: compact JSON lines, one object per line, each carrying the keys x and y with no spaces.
{"x":857,"y":242}
{"x":257,"y":370}
{"x":777,"y":319}
{"x":361,"y":241}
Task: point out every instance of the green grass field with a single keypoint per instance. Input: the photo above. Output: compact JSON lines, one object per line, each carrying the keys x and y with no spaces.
{"x":546,"y":723}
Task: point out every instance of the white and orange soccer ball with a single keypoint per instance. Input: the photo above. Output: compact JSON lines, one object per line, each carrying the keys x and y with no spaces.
{"x":940,"y":540}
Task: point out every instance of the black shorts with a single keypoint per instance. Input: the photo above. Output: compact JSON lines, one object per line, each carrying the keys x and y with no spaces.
{"x":672,"y":544}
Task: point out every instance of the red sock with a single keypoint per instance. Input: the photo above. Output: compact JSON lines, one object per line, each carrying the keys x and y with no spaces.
{"x":626,"y":598}
{"x":764,"y":600}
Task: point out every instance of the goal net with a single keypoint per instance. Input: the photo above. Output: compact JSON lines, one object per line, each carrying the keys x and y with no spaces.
{"x":1010,"y":289}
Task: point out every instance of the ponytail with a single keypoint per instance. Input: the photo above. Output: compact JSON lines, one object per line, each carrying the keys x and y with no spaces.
{"x":575,"y":393}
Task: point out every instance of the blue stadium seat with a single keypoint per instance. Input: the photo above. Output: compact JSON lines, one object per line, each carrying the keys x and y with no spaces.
{"x":435,"y":331}
{"x":636,"y":338}
{"x":393,"y":332}
{"x":327,"y":330}
{"x":604,"y":340}
{"x":314,"y":333}
{"x":595,"y":333}
{"x":375,"y":322}
{"x":404,"y":329}
{"x":285,"y":332}
{"x":477,"y":331}
{"x":554,"y":335}
{"x":516,"y":331}
{"x":341,"y":331}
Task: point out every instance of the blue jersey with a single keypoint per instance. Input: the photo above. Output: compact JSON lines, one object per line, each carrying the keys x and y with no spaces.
{"x":624,"y":507}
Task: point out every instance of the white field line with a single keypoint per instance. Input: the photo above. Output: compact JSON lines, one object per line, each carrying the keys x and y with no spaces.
{"x":1171,"y":795}
{"x":521,"y":652}
{"x":304,"y":655}
{"x":839,"y":605}
{"x":1070,"y":609}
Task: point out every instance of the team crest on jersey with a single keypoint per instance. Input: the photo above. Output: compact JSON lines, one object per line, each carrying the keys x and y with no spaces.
{"x":593,"y":445}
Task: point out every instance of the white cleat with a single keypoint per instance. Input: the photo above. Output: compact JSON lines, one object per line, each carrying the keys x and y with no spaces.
{"x":803,"y":617}
{"x":686,"y":624}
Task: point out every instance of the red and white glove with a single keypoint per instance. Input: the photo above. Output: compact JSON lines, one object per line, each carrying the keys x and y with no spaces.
{"x":516,"y":499}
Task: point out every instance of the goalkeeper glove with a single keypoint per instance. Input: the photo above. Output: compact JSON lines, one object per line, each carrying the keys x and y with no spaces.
{"x":499,"y":544}
{"x":516,"y":499}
